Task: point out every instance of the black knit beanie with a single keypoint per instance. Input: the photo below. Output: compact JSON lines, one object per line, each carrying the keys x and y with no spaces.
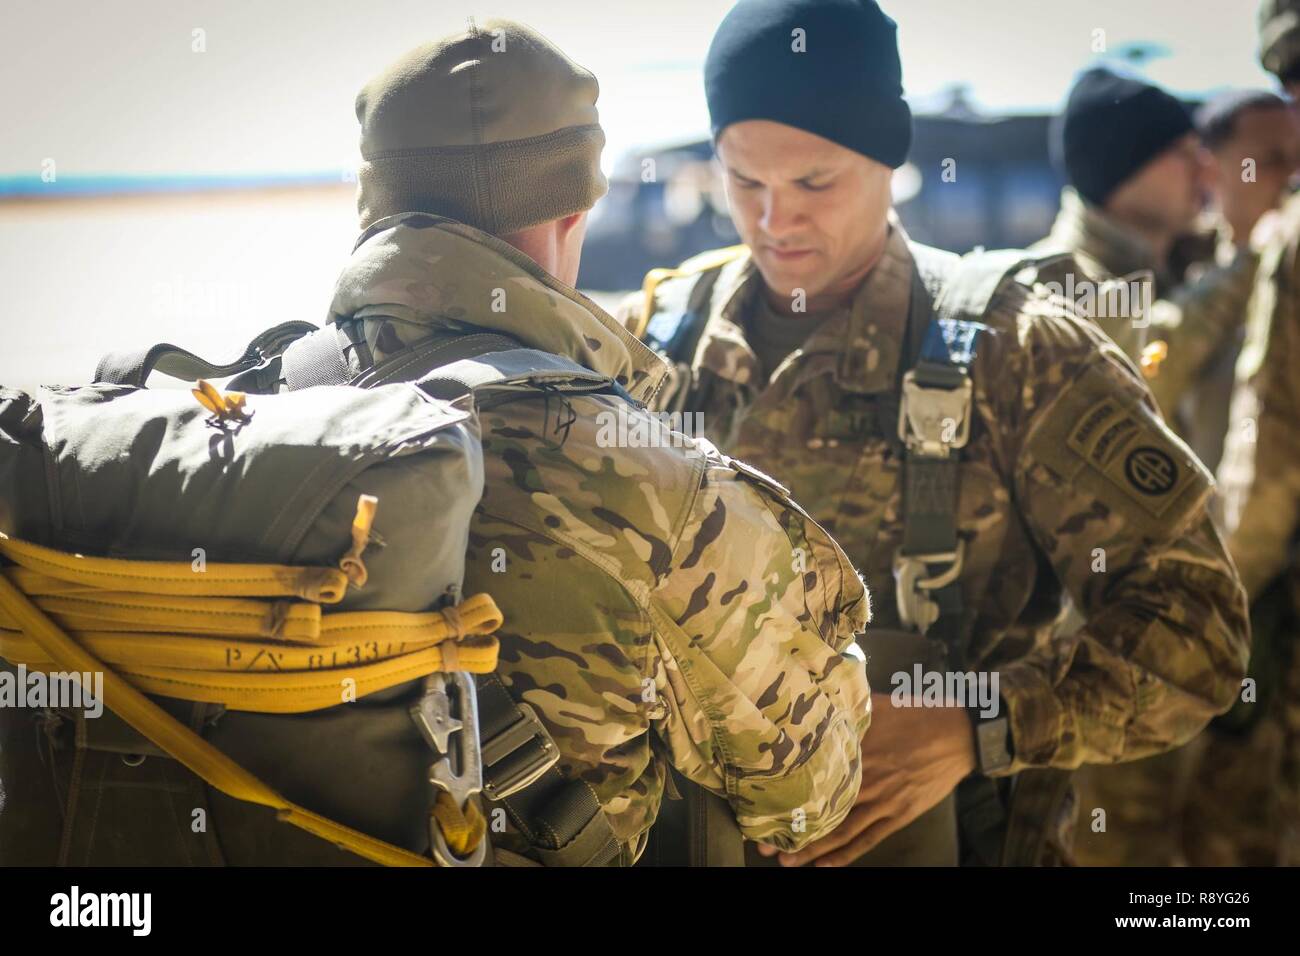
{"x":1113,"y":126}
{"x":828,"y":67}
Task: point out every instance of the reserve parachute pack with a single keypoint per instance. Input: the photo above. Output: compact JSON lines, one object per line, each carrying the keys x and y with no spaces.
{"x":988,"y":821}
{"x":269,"y":583}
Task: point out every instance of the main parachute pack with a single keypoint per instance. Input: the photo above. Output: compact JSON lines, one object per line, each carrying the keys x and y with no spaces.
{"x":270,"y":583}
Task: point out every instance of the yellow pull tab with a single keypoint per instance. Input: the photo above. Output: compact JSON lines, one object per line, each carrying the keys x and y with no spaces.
{"x":209,"y":397}
{"x":351,"y":563}
{"x":225,"y":408}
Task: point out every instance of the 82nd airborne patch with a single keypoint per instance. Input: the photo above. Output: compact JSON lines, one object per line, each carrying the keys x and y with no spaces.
{"x":1117,"y":440}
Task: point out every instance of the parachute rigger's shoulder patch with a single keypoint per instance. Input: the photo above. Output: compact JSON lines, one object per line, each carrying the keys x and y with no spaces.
{"x":1103,"y":441}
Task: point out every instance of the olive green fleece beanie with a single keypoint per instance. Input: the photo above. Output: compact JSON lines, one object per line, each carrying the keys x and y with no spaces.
{"x":493,"y":127}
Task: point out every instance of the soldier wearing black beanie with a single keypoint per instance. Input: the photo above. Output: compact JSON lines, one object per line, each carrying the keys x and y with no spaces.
{"x":1112,"y":126}
{"x":814,"y":352}
{"x":829,"y":67}
{"x":1136,"y":180}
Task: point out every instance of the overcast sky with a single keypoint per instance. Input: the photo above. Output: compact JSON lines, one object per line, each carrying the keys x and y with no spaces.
{"x":113,"y":87}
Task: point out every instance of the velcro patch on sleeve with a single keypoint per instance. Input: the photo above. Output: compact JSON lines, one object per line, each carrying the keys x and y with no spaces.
{"x":1114,"y":439}
{"x":1101,"y":439}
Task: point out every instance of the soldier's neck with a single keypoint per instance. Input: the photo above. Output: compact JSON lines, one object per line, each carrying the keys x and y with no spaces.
{"x":836,"y":296}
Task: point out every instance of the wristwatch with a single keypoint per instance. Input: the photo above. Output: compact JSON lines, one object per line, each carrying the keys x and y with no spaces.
{"x":993,"y":745}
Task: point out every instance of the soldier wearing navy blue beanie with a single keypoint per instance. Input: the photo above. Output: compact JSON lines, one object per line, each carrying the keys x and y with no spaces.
{"x":1136,"y":178}
{"x":841,"y":358}
{"x":829,"y":67}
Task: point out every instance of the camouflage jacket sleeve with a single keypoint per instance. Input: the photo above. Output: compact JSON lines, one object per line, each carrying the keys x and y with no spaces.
{"x":1261,"y":466}
{"x":1118,"y":508}
{"x":1196,"y":321}
{"x":750,"y":622}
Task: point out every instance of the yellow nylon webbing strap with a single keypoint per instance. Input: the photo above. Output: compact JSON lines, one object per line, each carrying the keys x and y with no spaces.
{"x":320,"y":584}
{"x":356,"y":653}
{"x":192,"y":632}
{"x":233,"y":617}
{"x":254,"y":658}
{"x":462,"y":829}
{"x":173,"y":630}
{"x":263,"y":691}
{"x":186,"y":746}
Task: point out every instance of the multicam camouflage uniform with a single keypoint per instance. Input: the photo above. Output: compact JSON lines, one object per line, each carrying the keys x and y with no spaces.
{"x":662,"y":604}
{"x":1201,"y":323}
{"x":1260,"y":478}
{"x":1144,"y":800}
{"x":1040,"y":503}
{"x":1196,"y":320}
{"x":1106,"y":250}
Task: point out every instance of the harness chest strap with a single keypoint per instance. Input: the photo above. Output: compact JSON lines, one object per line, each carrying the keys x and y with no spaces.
{"x":995,"y":831}
{"x":934,"y":419}
{"x":673,"y":318}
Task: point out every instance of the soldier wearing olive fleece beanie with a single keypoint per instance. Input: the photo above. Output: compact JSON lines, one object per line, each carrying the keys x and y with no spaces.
{"x":494,"y":127}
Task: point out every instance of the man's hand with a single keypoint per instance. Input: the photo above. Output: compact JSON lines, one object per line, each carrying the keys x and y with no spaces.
{"x":911,"y":759}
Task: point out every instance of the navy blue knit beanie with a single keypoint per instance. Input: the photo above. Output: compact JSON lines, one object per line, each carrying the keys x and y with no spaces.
{"x":1113,"y":126}
{"x":828,"y":67}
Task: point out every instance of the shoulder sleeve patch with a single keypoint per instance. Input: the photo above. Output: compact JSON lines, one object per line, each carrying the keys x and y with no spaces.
{"x":1102,"y":440}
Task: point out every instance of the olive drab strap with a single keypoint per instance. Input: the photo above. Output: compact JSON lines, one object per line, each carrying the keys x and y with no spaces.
{"x":490,"y":745}
{"x":561,"y":818}
{"x":1037,"y":795}
{"x":299,"y":354}
{"x":713,"y":835}
{"x":316,"y":359}
{"x":936,"y":401}
{"x":417,"y":361}
{"x":934,"y":424}
{"x":934,"y":418}
{"x":694,"y":827}
{"x":133,"y":368}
